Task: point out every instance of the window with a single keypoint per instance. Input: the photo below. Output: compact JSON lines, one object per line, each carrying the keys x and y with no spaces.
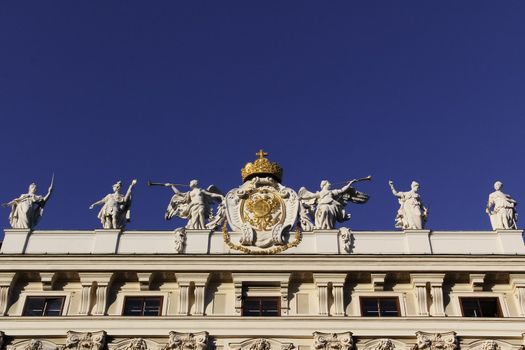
{"x":380,"y":307}
{"x":142,"y":306}
{"x":261,"y":306}
{"x":480,"y":307}
{"x":43,"y":306}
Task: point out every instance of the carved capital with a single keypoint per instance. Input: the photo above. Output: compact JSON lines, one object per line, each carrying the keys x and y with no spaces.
{"x":333,"y":341}
{"x":181,"y":341}
{"x":436,"y":341}
{"x":85,"y":341}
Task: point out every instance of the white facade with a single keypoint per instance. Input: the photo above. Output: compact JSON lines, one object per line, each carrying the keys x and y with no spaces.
{"x":319,"y":284}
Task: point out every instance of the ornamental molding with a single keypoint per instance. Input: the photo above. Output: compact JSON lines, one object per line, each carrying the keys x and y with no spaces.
{"x":261,"y":344}
{"x":85,"y":341}
{"x":33,"y":344}
{"x":187,"y":341}
{"x":385,"y":344}
{"x":180,"y":240}
{"x":333,"y":341}
{"x":436,"y":341}
{"x":136,"y":344}
{"x":491,"y":344}
{"x":347,"y":239}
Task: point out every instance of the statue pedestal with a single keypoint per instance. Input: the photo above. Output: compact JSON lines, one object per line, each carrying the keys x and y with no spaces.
{"x":418,"y":242}
{"x":326,"y":241}
{"x":197,"y":241}
{"x":511,"y":241}
{"x":106,"y":241}
{"x":15,"y":240}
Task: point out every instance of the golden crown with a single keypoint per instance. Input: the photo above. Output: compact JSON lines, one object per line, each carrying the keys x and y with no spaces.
{"x":261,"y":167}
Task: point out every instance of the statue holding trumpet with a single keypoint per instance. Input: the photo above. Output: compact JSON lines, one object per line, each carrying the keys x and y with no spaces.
{"x":327,"y":206}
{"x":196,"y":205}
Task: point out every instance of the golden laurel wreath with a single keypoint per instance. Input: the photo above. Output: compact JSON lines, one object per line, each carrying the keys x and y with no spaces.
{"x":275,"y":250}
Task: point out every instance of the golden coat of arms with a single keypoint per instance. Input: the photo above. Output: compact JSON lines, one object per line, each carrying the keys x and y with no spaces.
{"x":262,"y":209}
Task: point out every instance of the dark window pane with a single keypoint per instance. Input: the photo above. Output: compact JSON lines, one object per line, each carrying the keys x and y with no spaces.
{"x":489,"y":307}
{"x":470,"y":307}
{"x":152,"y":307}
{"x":53,"y":306}
{"x":370,"y":307}
{"x":375,"y":307}
{"x":259,"y":306}
{"x":480,"y":307}
{"x":42,"y":306}
{"x":251,"y":307}
{"x":34,"y":306}
{"x":388,"y":307}
{"x":269,"y":307}
{"x":139,"y":306}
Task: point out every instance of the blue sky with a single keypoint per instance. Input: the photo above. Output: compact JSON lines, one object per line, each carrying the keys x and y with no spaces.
{"x":97,"y":91}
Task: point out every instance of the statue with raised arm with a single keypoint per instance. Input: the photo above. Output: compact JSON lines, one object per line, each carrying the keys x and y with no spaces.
{"x":501,"y":209}
{"x":328,"y":205}
{"x":116,"y":207}
{"x":196,"y":205}
{"x":27,"y":209}
{"x":412,"y":214}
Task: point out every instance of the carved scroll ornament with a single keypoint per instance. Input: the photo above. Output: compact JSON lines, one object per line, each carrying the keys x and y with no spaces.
{"x":85,"y":341}
{"x":333,"y":341}
{"x":436,"y":341}
{"x":187,"y":341}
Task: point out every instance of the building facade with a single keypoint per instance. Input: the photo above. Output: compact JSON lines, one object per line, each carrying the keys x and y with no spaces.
{"x":262,"y":279}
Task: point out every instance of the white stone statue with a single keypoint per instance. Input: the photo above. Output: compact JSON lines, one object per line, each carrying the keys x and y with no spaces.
{"x":412,"y":214}
{"x":27,"y":209}
{"x":196,"y":205}
{"x":116,"y":207}
{"x":327,"y":205}
{"x":501,"y":209}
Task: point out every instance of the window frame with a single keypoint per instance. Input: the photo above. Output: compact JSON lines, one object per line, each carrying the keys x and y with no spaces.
{"x":116,"y":308}
{"x":260,"y":298}
{"x":458,"y":309}
{"x":477,"y":298}
{"x":20,"y":305}
{"x":126,"y":297}
{"x":45,"y":297}
{"x":355,"y":308}
{"x":384,"y":297}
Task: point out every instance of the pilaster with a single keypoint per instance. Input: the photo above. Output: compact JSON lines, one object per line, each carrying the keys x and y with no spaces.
{"x":6,"y":281}
{"x":185,"y":280}
{"x":337,"y":281}
{"x":517,"y":282}
{"x":436,"y":292}
{"x":419,"y":283}
{"x":98,"y":282}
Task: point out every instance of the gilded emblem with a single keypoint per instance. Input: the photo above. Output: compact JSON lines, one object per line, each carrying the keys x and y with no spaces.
{"x":263,"y":209}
